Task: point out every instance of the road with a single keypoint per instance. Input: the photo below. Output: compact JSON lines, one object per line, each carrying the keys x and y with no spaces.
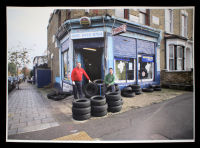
{"x":168,"y":120}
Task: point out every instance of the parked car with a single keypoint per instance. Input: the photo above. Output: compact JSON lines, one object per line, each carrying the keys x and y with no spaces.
{"x":11,"y":83}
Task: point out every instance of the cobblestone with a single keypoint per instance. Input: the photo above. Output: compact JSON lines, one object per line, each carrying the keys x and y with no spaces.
{"x":27,"y":111}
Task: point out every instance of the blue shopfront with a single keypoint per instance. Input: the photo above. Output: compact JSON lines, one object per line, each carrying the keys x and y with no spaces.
{"x":133,"y":54}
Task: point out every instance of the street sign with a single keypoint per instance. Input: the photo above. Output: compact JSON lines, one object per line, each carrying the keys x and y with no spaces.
{"x":119,"y":30}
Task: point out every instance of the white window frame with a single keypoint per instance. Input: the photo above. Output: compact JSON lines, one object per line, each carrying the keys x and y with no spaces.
{"x":184,"y":27}
{"x":125,"y":81}
{"x":169,"y":24}
{"x":170,"y":58}
{"x":153,"y":72}
{"x":182,"y":58}
{"x":119,"y":13}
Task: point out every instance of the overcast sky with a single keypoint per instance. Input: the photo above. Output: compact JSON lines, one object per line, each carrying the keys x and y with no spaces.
{"x":27,"y":26}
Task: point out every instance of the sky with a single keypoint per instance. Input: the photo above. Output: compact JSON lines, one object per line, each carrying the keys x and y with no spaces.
{"x":27,"y":27}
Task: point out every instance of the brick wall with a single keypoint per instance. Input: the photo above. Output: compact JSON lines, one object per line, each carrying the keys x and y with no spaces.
{"x":185,"y":77}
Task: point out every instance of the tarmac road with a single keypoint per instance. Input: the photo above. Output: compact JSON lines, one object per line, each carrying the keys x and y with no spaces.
{"x":168,"y":120}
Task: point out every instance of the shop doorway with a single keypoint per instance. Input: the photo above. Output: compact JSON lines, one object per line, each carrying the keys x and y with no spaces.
{"x":92,"y":60}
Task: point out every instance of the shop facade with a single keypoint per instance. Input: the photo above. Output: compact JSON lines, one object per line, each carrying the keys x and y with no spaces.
{"x":133,"y":50}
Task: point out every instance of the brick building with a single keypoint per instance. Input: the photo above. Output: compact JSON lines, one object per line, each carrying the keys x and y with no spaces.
{"x":153,"y":33}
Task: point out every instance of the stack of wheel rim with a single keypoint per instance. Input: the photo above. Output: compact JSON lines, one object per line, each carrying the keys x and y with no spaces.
{"x":98,"y":106}
{"x":156,"y":87}
{"x":81,"y":109}
{"x":136,"y":88}
{"x":114,"y":101}
{"x":127,"y":92}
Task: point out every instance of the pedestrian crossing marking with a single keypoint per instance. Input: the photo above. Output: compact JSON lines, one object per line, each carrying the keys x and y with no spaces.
{"x":80,"y":136}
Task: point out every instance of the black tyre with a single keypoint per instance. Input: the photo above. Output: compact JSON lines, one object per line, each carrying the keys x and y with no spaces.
{"x":51,"y":94}
{"x":127,"y":89}
{"x":90,"y":90}
{"x":135,"y":86}
{"x":99,"y":108}
{"x":116,"y":87}
{"x":81,"y":103}
{"x":147,"y":89}
{"x":81,"y":117}
{"x":99,"y":114}
{"x":81,"y":111}
{"x":113,"y":96}
{"x":115,"y":103}
{"x":136,"y":90}
{"x":128,"y":94}
{"x":98,"y":100}
{"x":138,"y":93}
{"x":98,"y":81}
{"x":157,"y":89}
{"x":115,"y":109}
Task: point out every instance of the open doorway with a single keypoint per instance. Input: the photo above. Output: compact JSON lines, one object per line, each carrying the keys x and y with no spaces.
{"x":92,"y":60}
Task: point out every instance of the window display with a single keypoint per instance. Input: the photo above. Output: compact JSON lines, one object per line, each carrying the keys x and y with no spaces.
{"x":65,"y":64}
{"x":145,"y":67}
{"x":124,"y":69}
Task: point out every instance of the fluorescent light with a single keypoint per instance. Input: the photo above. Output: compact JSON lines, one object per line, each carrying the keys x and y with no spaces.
{"x":91,"y":49}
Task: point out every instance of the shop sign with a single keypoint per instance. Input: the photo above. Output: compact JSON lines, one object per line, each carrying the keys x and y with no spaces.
{"x":85,"y":21}
{"x":147,"y":59}
{"x":84,"y":35}
{"x":119,"y":30}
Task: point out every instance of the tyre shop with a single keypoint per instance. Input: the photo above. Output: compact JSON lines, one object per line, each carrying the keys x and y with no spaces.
{"x":133,"y":53}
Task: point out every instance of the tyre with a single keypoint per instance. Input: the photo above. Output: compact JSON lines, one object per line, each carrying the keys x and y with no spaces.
{"x":115,"y":103}
{"x":81,"y":117}
{"x":90,"y":90}
{"x":116,"y":87}
{"x":81,"y":103}
{"x":138,"y":93}
{"x":113,"y":96}
{"x":99,"y":114}
{"x":136,"y":90}
{"x":127,"y":89}
{"x":98,"y":100}
{"x":51,"y":94}
{"x":81,"y":111}
{"x":98,"y":81}
{"x":115,"y":109}
{"x":147,"y":89}
{"x":128,"y":94}
{"x":99,"y":108}
{"x":135,"y":86}
{"x":157,"y":89}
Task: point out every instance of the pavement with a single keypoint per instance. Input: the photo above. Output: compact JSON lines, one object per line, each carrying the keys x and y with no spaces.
{"x":31,"y":116}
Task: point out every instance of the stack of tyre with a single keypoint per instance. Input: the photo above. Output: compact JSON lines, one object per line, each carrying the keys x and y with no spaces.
{"x":136,"y":88}
{"x":155,"y":87}
{"x":98,"y":106}
{"x":81,"y":109}
{"x":101,"y":87}
{"x":114,"y":101}
{"x":127,"y":92}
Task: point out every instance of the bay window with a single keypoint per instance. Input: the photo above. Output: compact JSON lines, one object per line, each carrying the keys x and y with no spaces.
{"x":176,"y":57}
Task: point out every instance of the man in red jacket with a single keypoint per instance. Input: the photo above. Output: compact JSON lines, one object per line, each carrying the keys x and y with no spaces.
{"x":76,"y":77}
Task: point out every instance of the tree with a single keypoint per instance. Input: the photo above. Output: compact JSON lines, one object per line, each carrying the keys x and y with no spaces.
{"x":12,"y":68}
{"x":25,"y":71}
{"x":19,"y":57}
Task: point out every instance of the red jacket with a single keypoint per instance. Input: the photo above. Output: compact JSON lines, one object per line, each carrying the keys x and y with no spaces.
{"x":78,"y":73}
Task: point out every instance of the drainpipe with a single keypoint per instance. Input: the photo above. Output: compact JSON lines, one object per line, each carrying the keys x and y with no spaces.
{"x":136,"y":64}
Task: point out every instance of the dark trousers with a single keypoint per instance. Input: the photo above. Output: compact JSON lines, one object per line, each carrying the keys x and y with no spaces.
{"x":77,"y":88}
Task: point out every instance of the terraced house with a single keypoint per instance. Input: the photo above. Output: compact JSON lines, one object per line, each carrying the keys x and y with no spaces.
{"x":143,"y":46}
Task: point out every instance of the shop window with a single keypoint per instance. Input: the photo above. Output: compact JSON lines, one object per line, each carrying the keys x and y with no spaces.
{"x":145,"y":67}
{"x":124,"y":70}
{"x":65,"y":65}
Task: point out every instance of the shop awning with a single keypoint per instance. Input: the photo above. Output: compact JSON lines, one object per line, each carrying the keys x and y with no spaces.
{"x":88,"y":43}
{"x":124,"y":47}
{"x":145,"y":47}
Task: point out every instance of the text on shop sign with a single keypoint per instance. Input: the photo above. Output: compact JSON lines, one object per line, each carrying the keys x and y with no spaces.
{"x":120,"y":29}
{"x":87,"y":35}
